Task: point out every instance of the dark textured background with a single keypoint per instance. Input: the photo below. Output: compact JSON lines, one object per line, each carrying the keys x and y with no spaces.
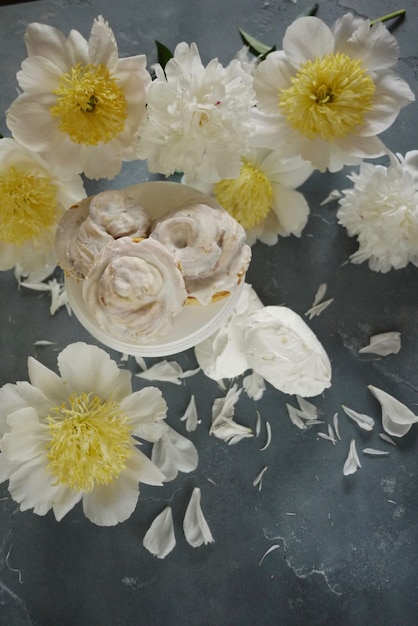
{"x":348,"y":554}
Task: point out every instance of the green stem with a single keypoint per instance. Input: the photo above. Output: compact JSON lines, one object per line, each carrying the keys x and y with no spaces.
{"x":389,"y":16}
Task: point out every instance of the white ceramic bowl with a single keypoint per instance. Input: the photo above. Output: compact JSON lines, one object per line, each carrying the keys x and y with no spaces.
{"x":195,"y":322}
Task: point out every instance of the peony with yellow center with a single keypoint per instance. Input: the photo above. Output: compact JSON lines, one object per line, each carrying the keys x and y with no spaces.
{"x":81,"y":104}
{"x":330,"y":92}
{"x":71,"y":438}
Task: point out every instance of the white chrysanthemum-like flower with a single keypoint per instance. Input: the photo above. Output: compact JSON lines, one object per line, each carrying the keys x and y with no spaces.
{"x":33,"y":199}
{"x":198,"y":118}
{"x":80,"y":102}
{"x":72,"y":437}
{"x":263,"y":197}
{"x":381,"y":210}
{"x":329,"y":92}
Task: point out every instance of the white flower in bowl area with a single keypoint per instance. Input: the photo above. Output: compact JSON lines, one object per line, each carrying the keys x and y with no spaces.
{"x":329,"y":92}
{"x":263,"y":198}
{"x":81,"y":103}
{"x":71,"y":438}
{"x":198,"y":118}
{"x":381,"y":210}
{"x":33,"y":199}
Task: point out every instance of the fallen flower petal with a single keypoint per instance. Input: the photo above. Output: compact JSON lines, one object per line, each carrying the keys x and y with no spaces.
{"x":353,"y":462}
{"x":383,"y":344}
{"x":159,"y":538}
{"x":364,"y":421}
{"x":190,"y":416}
{"x":397,"y":419}
{"x":195,"y":526}
{"x":174,"y":453}
{"x":166,"y":371}
{"x":375,"y":452}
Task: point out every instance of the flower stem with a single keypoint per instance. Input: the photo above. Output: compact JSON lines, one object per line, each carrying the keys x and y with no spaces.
{"x":389,"y":16}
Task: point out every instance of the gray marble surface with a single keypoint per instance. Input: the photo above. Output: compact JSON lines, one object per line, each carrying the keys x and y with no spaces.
{"x":347,"y":545}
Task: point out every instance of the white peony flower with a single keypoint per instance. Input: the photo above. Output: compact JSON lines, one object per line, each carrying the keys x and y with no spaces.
{"x":80,"y":102}
{"x":263,"y":197}
{"x":32,"y":202}
{"x":329,"y":92}
{"x":382,"y":211}
{"x":198,"y":118}
{"x":71,"y":438}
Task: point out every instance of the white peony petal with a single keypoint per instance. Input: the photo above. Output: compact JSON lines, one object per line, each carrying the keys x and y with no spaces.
{"x":166,"y":371}
{"x":190,"y":415}
{"x":383,"y":344}
{"x":51,"y":385}
{"x":27,"y":439}
{"x":283,"y":349}
{"x":397,"y":419}
{"x":364,"y":421}
{"x":31,"y":485}
{"x":64,"y":501}
{"x":108,"y":505}
{"x":254,"y":385}
{"x":174,"y":453}
{"x":195,"y":526}
{"x":353,"y":462}
{"x":159,"y":538}
{"x":146,"y":410}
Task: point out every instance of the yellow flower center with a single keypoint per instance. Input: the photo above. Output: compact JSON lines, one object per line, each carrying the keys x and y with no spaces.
{"x":247,"y":198}
{"x":91,"y":106}
{"x":328,"y":97}
{"x":28,"y":206}
{"x":90,"y":442}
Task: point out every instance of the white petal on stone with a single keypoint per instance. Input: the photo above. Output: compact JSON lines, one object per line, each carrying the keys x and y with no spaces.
{"x":258,"y":480}
{"x":174,"y":453}
{"x":335,"y":194}
{"x":387,"y":438}
{"x":327,"y":437}
{"x":321,"y":291}
{"x":271,"y":549}
{"x":268,"y":431}
{"x":166,"y":371}
{"x":383,"y":344}
{"x":309,"y":410}
{"x":295,"y":416}
{"x":254,"y":386}
{"x":336,"y":426}
{"x":44,"y":342}
{"x":318,"y":308}
{"x":284,"y":350}
{"x":331,"y":434}
{"x":159,"y":538}
{"x":258,"y":424}
{"x":397,"y":419}
{"x":375,"y":452}
{"x":190,"y":415}
{"x":225,"y":407}
{"x":352,"y":462}
{"x":364,"y":421}
{"x":223,"y":424}
{"x":141,"y":362}
{"x":195,"y":526}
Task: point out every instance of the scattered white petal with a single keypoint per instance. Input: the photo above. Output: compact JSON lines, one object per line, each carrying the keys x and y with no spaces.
{"x":313,"y":422}
{"x":375,"y":452}
{"x":173,"y":453}
{"x":295,"y":416}
{"x":258,"y":424}
{"x":44,"y":342}
{"x":353,"y":462}
{"x":223,"y":424}
{"x":271,"y":549}
{"x":364,"y":421}
{"x":318,"y":308}
{"x":166,"y":371}
{"x":392,"y":501}
{"x":195,"y":526}
{"x":268,"y":429}
{"x":331,"y":434}
{"x":335,"y":194}
{"x":124,"y":357}
{"x":254,"y":386}
{"x":258,"y":480}
{"x":321,"y":291}
{"x":190,"y":416}
{"x":308,"y":409}
{"x":159,"y":538}
{"x":211,"y":481}
{"x":387,"y":438}
{"x":36,"y":286}
{"x":56,"y":290}
{"x":141,"y":362}
{"x":328,"y":437}
{"x":383,"y":344}
{"x":397,"y":419}
{"x":336,"y":426}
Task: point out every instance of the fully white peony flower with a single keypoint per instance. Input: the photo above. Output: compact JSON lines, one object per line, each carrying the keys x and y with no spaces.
{"x":33,"y":199}
{"x":198,"y":118}
{"x":71,"y":438}
{"x":381,"y":210}
{"x":263,"y":198}
{"x":80,"y":102}
{"x":329,"y":92}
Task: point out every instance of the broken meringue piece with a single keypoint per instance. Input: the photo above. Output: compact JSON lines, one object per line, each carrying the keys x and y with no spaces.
{"x":283,"y":349}
{"x":210,"y":246}
{"x":134,"y":289}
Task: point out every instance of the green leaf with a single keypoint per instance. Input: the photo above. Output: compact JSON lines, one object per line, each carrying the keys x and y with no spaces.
{"x":255,"y":46}
{"x":164,"y":54}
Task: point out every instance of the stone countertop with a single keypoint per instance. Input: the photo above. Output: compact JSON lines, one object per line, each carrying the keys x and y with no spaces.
{"x":345,"y":547}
